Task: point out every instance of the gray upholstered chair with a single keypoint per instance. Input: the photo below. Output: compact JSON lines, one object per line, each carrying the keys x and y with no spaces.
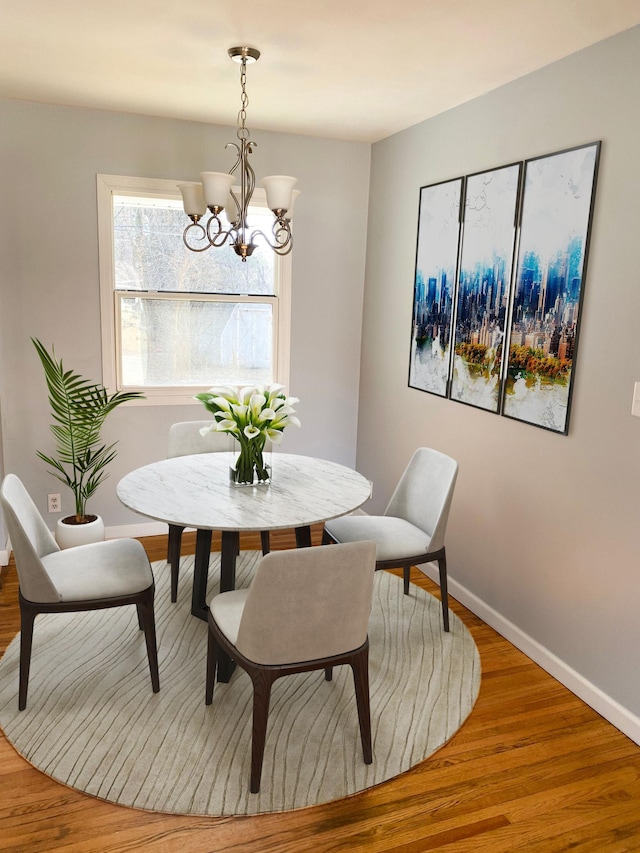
{"x":104,"y":574}
{"x":306,"y":609}
{"x":411,"y":531}
{"x":185,"y":439}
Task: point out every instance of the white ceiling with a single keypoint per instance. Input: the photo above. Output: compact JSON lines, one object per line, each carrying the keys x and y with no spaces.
{"x":348,"y":69}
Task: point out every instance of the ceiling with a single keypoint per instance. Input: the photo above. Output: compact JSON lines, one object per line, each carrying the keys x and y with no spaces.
{"x":347,"y":69}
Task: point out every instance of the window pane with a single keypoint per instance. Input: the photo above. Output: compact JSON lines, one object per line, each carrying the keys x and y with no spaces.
{"x":190,"y":342}
{"x":149,"y":253}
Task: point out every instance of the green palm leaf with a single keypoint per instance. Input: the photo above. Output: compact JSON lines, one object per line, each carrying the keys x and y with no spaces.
{"x":78,"y":408}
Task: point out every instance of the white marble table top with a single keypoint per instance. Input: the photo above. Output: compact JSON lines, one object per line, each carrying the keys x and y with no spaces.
{"x":194,"y":491}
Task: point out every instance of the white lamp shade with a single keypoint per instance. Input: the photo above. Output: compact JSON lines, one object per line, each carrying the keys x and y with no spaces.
{"x":294,"y":196}
{"x":279,"y":189}
{"x":192,"y":199}
{"x":216,"y":187}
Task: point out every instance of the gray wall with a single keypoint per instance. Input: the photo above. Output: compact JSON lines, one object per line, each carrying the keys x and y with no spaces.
{"x":49,"y":157}
{"x":544,"y":528}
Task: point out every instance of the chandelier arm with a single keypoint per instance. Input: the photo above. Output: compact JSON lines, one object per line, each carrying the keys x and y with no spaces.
{"x":280,"y":246}
{"x":232,"y":171}
{"x":186,"y":234}
{"x":236,"y":218}
{"x":239,"y":157}
{"x":283,"y":250}
{"x":281,"y":230}
{"x":220,"y":237}
{"x":217,"y":240}
{"x":247,"y":186}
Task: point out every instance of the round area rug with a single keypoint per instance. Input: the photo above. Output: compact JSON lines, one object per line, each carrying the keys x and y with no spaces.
{"x":93,"y":723}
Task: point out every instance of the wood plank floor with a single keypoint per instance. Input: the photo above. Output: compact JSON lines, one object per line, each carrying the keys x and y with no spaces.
{"x":532,"y":769}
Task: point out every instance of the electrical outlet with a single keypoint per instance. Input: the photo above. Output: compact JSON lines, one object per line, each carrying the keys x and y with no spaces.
{"x":53,"y":503}
{"x":635,"y":405}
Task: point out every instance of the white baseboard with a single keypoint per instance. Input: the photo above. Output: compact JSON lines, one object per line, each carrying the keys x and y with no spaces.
{"x":615,"y":713}
{"x":145,"y":528}
{"x":4,"y":558}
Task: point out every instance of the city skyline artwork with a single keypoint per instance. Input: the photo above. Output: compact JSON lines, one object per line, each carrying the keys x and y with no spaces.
{"x":554,"y":236}
{"x":436,"y":263}
{"x":489,"y":228}
{"x":487,"y":335}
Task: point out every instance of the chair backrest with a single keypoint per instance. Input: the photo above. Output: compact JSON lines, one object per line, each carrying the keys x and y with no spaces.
{"x":308,"y":603}
{"x":30,"y":540}
{"x":424,"y":494}
{"x":185,"y":439}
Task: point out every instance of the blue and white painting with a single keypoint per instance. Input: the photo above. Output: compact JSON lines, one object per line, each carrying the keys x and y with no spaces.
{"x":552,"y":254}
{"x":488,"y":230}
{"x":434,"y":288}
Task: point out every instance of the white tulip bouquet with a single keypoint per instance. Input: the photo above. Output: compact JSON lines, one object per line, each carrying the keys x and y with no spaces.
{"x":251,"y":415}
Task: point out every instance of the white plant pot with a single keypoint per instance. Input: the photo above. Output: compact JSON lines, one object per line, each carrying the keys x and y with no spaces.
{"x":70,"y":535}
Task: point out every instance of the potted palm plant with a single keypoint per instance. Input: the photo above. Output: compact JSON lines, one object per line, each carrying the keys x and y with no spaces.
{"x":79,"y":409}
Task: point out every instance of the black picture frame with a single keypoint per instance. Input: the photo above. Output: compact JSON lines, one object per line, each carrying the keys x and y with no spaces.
{"x":437,"y":248}
{"x":548,"y":286}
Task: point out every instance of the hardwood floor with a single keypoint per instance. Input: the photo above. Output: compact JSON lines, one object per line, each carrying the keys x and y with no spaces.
{"x":532,"y":769}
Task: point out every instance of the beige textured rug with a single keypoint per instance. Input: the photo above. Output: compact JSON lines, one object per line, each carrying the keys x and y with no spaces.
{"x":93,"y":723}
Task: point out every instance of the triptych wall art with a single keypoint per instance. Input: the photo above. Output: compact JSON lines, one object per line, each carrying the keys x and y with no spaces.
{"x":500,"y":266}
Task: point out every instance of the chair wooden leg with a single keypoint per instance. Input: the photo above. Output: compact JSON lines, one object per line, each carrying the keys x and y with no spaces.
{"x":146,"y":613}
{"x":212,"y":660}
{"x":327,"y":539}
{"x":328,"y":674}
{"x":360,"y":669}
{"x":265,"y":539}
{"x":27,"y":618}
{"x":406,"y":578}
{"x":262,"y":681}
{"x":140,"y":617}
{"x":173,"y":557}
{"x":444,"y":594}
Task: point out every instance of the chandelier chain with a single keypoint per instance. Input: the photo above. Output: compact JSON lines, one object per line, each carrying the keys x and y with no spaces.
{"x":243,"y":133}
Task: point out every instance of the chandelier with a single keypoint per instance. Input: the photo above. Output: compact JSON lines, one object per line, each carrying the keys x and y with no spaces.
{"x":215,"y":193}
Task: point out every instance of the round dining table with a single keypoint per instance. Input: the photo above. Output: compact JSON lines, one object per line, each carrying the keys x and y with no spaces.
{"x":197,"y":491}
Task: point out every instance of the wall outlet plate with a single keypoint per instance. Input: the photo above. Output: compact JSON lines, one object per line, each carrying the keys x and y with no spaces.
{"x":53,"y":503}
{"x":635,"y":405}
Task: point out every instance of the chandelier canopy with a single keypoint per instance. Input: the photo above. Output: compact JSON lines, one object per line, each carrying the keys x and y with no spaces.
{"x":215,"y":193}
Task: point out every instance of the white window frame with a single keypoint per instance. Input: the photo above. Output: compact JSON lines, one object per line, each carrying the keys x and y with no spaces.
{"x":110,"y":298}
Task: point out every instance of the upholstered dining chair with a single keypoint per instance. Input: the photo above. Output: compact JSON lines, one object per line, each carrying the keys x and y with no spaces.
{"x":186,"y":439}
{"x":412,"y":529}
{"x":104,"y":574}
{"x":306,"y":609}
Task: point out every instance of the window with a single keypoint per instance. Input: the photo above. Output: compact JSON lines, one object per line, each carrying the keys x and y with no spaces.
{"x":175,"y":322}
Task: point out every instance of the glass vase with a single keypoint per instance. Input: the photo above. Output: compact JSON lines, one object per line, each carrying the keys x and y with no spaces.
{"x":250,"y":467}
